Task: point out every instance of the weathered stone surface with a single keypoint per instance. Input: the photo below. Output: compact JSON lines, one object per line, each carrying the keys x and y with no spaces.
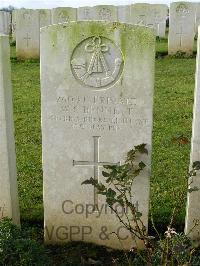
{"x":2,"y":22}
{"x":97,"y":83}
{"x":7,"y":23}
{"x":123,"y":14}
{"x":9,"y":206}
{"x":14,"y":17}
{"x":159,"y":13}
{"x":197,"y":17}
{"x":45,"y":17}
{"x":63,"y":14}
{"x":141,"y":14}
{"x":27,"y":33}
{"x":102,"y":12}
{"x":193,"y":207}
{"x":181,"y":27}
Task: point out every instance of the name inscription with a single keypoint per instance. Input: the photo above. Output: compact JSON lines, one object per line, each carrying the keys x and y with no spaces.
{"x":98,"y":113}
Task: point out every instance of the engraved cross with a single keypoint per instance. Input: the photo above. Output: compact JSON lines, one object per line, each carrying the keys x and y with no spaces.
{"x":27,"y":38}
{"x":96,"y":163}
{"x":181,"y":33}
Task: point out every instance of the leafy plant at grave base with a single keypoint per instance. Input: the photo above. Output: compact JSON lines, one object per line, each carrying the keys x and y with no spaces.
{"x":16,"y":249}
{"x":12,"y":43}
{"x":171,"y":249}
{"x":181,"y":55}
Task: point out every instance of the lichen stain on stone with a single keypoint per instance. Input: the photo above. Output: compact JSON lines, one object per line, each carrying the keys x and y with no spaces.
{"x":31,"y":54}
{"x":53,"y":37}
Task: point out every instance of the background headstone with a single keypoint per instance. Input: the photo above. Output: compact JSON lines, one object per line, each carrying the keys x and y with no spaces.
{"x":63,"y":14}
{"x":2,"y":22}
{"x":141,"y":14}
{"x":123,"y":14}
{"x":197,"y":17}
{"x":160,"y":13}
{"x":193,"y":207}
{"x":45,"y":17}
{"x":14,"y":17}
{"x":181,"y":27}
{"x":27,"y":33}
{"x":93,"y":112}
{"x":102,"y":12}
{"x":9,"y":206}
{"x":7,"y":19}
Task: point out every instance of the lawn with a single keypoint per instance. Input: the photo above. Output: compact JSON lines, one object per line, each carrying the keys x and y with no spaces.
{"x":173,"y":102}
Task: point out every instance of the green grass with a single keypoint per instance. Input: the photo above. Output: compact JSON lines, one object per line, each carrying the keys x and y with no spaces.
{"x":173,"y":101}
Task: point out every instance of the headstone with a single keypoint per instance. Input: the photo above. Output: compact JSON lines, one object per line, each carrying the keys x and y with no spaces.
{"x":95,"y":108}
{"x":14,"y":17}
{"x":45,"y":17}
{"x":102,"y":12}
{"x":141,"y":14}
{"x":123,"y":14}
{"x":85,"y":13}
{"x":63,"y":14}
{"x":2,"y":22}
{"x":160,"y":13}
{"x":193,"y":208}
{"x":197,"y":17}
{"x":9,"y":206}
{"x":7,"y":21}
{"x":27,"y":34}
{"x":181,"y":27}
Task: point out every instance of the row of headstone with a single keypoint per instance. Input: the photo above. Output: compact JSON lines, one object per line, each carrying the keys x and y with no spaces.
{"x":94,"y":110}
{"x":26,"y":23}
{"x":5,"y":22}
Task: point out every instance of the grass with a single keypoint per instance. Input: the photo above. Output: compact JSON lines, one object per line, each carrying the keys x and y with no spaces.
{"x":173,"y":101}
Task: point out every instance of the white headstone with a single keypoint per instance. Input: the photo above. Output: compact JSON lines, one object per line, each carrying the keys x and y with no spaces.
{"x":63,"y":14}
{"x":123,"y":14}
{"x":45,"y":17}
{"x":7,"y":20}
{"x":93,"y":113}
{"x":27,"y":33}
{"x":85,"y":13}
{"x":160,"y":13}
{"x":181,"y":27}
{"x":2,"y":22}
{"x":9,"y":206}
{"x":102,"y":12}
{"x":193,"y":207}
{"x":141,"y":14}
{"x":197,"y":17}
{"x":14,"y":17}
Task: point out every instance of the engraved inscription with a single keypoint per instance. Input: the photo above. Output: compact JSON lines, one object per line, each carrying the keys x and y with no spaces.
{"x":97,"y":62}
{"x":96,"y":163}
{"x":141,"y":20}
{"x":104,"y":14}
{"x":105,"y":114}
{"x":182,"y":10}
{"x":63,"y":16}
{"x":27,"y":16}
{"x":86,"y":13}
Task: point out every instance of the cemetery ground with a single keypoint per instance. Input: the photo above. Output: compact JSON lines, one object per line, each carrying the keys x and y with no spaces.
{"x":173,"y":102}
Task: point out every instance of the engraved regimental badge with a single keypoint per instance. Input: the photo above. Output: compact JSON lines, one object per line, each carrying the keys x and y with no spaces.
{"x":97,"y":62}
